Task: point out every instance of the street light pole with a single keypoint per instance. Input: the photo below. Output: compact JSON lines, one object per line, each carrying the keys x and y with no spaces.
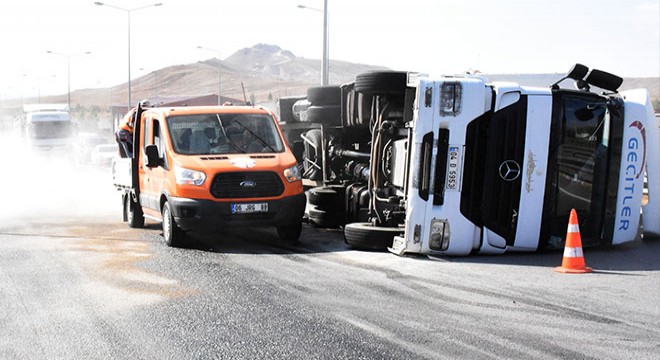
{"x":325,"y":59}
{"x":128,"y":12}
{"x":68,"y":71}
{"x":216,"y":51}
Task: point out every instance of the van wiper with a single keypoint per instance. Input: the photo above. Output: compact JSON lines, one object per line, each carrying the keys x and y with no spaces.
{"x":262,"y":141}
{"x":224,"y":132}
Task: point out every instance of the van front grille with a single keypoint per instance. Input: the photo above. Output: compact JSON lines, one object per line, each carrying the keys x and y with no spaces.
{"x":246,"y":184}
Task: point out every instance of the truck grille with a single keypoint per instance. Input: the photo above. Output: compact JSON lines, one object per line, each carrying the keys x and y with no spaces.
{"x":496,"y":142}
{"x":248,"y":184}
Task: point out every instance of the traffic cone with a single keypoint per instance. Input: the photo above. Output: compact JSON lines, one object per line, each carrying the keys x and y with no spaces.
{"x":573,"y":262}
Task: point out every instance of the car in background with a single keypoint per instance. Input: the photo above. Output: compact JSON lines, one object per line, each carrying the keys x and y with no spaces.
{"x":84,"y":145}
{"x":103,"y":154}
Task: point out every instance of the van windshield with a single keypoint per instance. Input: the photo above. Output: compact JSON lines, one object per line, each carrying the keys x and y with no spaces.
{"x":205,"y":134}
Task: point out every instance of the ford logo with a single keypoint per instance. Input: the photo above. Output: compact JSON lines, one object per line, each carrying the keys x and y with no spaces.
{"x":248,"y":184}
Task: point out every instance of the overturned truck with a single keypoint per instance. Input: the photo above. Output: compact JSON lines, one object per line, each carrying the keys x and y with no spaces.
{"x":456,"y":165}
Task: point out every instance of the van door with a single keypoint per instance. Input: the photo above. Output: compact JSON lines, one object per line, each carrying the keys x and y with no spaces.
{"x":152,"y":178}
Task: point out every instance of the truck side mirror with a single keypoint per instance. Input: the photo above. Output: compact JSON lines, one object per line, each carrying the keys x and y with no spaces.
{"x":153,"y":160}
{"x":577,"y":72}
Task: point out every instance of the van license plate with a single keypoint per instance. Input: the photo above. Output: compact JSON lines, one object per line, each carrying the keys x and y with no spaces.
{"x":249,"y":208}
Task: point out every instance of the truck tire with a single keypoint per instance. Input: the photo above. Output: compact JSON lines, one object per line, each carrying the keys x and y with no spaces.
{"x":326,"y":198}
{"x":134,"y":215}
{"x":382,"y":82}
{"x":369,"y":237}
{"x":324,"y":95}
{"x":312,"y":154}
{"x":325,"y":218}
{"x":174,"y":236}
{"x":326,"y":114}
{"x":289,"y":233}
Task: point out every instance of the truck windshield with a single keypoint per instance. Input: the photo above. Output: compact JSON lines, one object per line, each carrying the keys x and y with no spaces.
{"x":206,"y":134}
{"x":580,"y":151}
{"x":50,"y":129}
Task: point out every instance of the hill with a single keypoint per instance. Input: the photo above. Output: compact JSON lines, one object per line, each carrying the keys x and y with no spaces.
{"x":263,"y":72}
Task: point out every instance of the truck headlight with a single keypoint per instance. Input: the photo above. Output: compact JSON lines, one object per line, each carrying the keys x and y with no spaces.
{"x":188,"y":177}
{"x":292,"y":174}
{"x":450,"y":99}
{"x":439,"y":237}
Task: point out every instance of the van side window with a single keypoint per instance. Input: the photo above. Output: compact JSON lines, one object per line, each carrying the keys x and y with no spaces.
{"x":158,"y":139}
{"x":145,"y":132}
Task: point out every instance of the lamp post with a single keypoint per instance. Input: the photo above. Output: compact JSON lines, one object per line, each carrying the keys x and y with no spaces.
{"x":68,"y":71}
{"x":218,"y":52}
{"x":325,"y":60}
{"x":128,"y":13}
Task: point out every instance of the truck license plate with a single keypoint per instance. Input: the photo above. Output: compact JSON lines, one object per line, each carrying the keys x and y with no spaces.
{"x":249,"y":208}
{"x":452,"y":168}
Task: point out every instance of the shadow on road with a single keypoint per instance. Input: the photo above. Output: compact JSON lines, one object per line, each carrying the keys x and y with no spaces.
{"x":641,"y":255}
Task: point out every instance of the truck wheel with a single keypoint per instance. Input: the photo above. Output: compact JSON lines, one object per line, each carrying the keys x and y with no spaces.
{"x":382,"y":82}
{"x":325,"y":218}
{"x":326,"y":115}
{"x":326,"y":198}
{"x":324,"y":95}
{"x":174,"y":236}
{"x":369,"y":237}
{"x":312,"y":155}
{"x":134,"y":215}
{"x":289,"y":233}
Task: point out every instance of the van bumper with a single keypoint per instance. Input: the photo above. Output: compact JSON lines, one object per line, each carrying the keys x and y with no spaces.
{"x":208,"y":215}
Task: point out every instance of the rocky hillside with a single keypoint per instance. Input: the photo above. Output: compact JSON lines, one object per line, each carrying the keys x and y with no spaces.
{"x":264,"y":72}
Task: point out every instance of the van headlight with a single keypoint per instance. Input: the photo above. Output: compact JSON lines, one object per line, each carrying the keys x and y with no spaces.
{"x":292,"y":174}
{"x":188,"y":177}
{"x":439,"y":237}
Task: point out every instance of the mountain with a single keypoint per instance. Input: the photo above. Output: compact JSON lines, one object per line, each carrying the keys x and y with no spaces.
{"x":261,"y":72}
{"x":264,"y":72}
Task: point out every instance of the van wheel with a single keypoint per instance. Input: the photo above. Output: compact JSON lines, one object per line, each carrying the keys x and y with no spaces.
{"x":289,"y":233}
{"x":369,"y":237}
{"x":174,"y":236}
{"x":134,"y":215}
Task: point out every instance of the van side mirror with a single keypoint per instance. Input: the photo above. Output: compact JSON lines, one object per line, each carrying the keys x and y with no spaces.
{"x":153,"y":160}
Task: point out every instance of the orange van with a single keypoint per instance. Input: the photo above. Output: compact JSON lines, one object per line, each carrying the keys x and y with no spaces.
{"x":207,"y":168}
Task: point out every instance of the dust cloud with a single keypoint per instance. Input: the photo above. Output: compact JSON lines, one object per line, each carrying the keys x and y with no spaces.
{"x":46,"y":184}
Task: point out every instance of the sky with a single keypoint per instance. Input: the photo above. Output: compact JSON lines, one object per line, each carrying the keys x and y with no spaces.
{"x":430,"y":36}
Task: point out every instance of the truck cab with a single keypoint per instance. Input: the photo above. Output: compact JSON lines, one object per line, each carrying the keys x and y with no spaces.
{"x":208,"y":168}
{"x":507,"y":164}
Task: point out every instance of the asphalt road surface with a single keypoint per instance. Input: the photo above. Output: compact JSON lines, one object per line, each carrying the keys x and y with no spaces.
{"x":77,"y":283}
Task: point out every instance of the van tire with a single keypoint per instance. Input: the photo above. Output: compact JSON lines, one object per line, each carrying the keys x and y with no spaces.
{"x":289,"y":233}
{"x":366,"y":236}
{"x":134,"y":215}
{"x":174,"y":236}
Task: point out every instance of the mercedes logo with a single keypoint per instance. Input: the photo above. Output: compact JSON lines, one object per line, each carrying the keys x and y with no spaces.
{"x":509,"y":170}
{"x":248,"y":184}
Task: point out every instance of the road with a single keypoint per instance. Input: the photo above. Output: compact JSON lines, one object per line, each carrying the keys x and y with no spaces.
{"x":77,"y":283}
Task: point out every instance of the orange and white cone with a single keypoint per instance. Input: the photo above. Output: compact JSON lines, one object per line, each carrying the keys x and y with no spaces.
{"x":573,"y":262}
